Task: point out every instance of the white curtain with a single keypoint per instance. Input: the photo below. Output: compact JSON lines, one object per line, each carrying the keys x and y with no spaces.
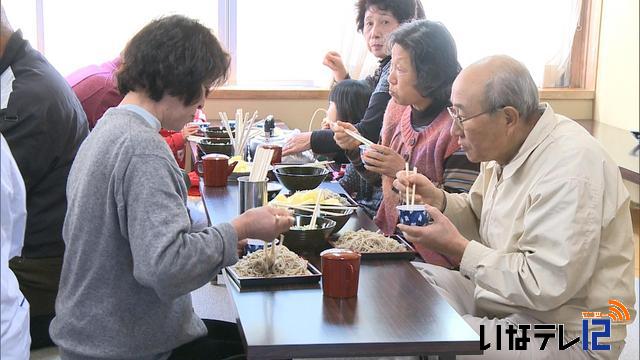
{"x":352,"y":47}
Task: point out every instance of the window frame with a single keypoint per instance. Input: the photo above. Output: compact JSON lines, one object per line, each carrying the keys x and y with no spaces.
{"x":583,"y":63}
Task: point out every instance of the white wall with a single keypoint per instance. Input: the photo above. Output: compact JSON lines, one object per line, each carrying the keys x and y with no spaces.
{"x":617,"y":85}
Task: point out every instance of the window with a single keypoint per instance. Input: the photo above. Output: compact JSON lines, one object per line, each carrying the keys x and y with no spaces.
{"x":282,"y":42}
{"x":286,"y":47}
{"x":538,"y":33}
{"x":79,"y":32}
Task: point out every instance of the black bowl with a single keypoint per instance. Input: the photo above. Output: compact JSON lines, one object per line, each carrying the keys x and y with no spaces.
{"x":216,"y":146}
{"x":273,"y":189}
{"x":309,"y":242}
{"x":297,"y":178}
{"x":217,"y":132}
{"x":340,"y":220}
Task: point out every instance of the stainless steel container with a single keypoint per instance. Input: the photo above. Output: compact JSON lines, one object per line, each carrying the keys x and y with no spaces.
{"x":251,"y":194}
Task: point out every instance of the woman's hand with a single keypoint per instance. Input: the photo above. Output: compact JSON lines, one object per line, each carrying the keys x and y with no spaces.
{"x":383,"y":160}
{"x":189,"y":129}
{"x":242,"y":244}
{"x":326,"y":123}
{"x":333,"y":61}
{"x":441,"y":235}
{"x":297,"y":144}
{"x":344,"y":140}
{"x":426,"y":192}
{"x":263,"y":223}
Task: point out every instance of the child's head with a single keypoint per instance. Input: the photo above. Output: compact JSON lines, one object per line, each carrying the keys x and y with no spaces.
{"x":348,"y":101}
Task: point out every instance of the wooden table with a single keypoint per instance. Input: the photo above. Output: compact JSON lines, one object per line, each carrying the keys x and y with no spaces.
{"x":396,"y":312}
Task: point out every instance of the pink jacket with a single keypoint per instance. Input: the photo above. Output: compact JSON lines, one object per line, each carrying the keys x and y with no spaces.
{"x":427,"y":150}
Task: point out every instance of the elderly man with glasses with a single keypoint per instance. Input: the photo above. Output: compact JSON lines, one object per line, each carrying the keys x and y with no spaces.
{"x":544,"y":235}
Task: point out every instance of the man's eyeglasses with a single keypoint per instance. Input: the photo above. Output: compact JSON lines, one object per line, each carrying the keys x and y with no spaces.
{"x":455,"y":115}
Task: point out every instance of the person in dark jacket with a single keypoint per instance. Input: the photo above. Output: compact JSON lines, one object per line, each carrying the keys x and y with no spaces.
{"x":347,"y":103}
{"x":376,"y":19}
{"x":44,"y":124}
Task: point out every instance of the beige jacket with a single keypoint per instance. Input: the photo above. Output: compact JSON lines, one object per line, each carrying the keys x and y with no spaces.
{"x":552,"y":237}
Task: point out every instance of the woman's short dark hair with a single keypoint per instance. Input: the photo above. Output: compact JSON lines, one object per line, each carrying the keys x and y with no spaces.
{"x":173,"y":55}
{"x":433,"y":55}
{"x":402,"y":10}
{"x":351,"y":98}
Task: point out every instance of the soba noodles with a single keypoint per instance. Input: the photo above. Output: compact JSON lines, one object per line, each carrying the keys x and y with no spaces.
{"x":368,"y":242}
{"x":287,"y":264}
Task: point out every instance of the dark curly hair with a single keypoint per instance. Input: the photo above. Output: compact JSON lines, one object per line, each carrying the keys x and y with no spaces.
{"x":433,"y":55}
{"x":173,"y":55}
{"x":351,"y":98}
{"x":402,"y":10}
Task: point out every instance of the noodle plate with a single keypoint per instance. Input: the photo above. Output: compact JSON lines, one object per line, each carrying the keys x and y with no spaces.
{"x":287,"y":263}
{"x":364,"y":241}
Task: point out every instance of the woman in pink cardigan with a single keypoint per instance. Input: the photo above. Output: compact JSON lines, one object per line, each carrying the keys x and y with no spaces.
{"x":416,"y":124}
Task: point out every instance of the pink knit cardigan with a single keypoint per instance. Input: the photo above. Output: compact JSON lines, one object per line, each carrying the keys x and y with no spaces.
{"x":427,"y":150}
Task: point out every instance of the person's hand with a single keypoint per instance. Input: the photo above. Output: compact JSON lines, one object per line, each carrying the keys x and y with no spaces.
{"x":441,"y":235}
{"x":242,"y":243}
{"x":263,"y":223}
{"x":344,"y":140}
{"x":383,"y":160}
{"x":189,"y":129}
{"x":297,"y":144}
{"x":426,"y":192}
{"x":326,"y":123}
{"x":333,"y":61}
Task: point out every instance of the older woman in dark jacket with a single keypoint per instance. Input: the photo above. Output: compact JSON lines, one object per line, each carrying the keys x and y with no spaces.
{"x":376,"y":20}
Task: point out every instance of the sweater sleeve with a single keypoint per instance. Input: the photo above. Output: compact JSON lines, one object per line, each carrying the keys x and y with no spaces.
{"x":370,"y":177}
{"x":459,"y":172}
{"x":371,"y":123}
{"x":464,"y":210}
{"x":167,"y":255}
{"x":322,"y":140}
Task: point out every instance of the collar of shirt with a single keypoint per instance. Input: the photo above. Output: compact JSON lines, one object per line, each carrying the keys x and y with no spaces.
{"x":14,"y":50}
{"x":421,"y":119}
{"x":7,"y":87}
{"x":540,"y":131}
{"x":152,"y":120}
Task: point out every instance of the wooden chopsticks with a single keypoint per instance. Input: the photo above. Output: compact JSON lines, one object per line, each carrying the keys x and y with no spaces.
{"x":359,"y":137}
{"x":244,"y":125}
{"x":306,"y":208}
{"x":313,"y":164}
{"x":261,"y":164}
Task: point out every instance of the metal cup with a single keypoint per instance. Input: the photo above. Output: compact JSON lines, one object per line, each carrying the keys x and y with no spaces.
{"x":251,"y":194}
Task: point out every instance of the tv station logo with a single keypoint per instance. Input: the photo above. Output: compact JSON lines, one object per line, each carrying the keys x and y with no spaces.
{"x":617,"y":313}
{"x":519,"y":338}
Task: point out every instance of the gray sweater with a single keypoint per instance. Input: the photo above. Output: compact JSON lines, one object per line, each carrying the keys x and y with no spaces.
{"x":131,"y":258}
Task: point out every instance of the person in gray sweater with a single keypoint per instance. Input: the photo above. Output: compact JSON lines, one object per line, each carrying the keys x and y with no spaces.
{"x":131,"y":257}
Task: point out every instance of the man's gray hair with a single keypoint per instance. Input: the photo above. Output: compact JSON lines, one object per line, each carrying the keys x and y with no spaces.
{"x":511,"y":84}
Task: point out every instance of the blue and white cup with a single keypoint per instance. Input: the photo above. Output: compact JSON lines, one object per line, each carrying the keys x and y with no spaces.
{"x":413,"y":215}
{"x":253,"y":245}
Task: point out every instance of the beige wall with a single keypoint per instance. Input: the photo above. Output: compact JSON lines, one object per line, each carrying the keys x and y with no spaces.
{"x":297,"y":113}
{"x":617,"y":93}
